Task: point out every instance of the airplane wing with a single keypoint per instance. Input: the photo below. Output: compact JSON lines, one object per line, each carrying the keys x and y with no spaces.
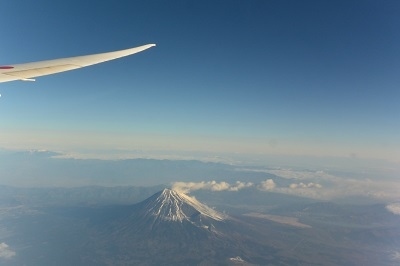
{"x":29,"y":71}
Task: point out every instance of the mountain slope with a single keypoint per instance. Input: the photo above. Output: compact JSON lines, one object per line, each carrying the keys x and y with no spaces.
{"x":170,"y":205}
{"x":171,"y":215}
{"x":168,"y":228}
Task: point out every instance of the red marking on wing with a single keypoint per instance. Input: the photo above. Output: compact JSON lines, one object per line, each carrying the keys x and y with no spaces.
{"x":6,"y":67}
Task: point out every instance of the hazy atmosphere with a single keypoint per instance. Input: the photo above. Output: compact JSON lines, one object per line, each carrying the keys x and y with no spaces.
{"x":279,"y":111}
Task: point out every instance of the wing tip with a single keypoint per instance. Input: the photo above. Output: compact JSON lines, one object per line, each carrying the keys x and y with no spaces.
{"x":146,"y":46}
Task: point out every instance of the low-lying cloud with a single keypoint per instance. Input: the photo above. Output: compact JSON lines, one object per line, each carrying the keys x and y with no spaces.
{"x":327,"y":186}
{"x":395,"y":256}
{"x":302,"y":185}
{"x":335,"y":188}
{"x":318,"y":185}
{"x":187,"y":187}
{"x":267,"y":185}
{"x":5,"y":251}
{"x":394,"y":208}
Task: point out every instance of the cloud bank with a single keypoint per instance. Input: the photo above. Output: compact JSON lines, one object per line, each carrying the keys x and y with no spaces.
{"x":303,"y":189}
{"x":327,"y":186}
{"x":5,"y":251}
{"x":318,"y":185}
{"x":186,"y":187}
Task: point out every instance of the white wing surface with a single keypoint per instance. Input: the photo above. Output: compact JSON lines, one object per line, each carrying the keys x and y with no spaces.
{"x":36,"y":69}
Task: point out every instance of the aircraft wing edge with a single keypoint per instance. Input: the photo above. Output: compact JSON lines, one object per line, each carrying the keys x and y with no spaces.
{"x":28,"y":71}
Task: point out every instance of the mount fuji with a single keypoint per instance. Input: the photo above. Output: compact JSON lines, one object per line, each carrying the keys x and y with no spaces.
{"x":169,"y":228}
{"x":169,"y":208}
{"x":171,"y":216}
{"x":170,"y":205}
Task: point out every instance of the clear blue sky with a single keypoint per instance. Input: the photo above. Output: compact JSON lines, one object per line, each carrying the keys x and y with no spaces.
{"x":264,"y":77}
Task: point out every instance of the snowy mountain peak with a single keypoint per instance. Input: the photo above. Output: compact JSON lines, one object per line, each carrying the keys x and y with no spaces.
{"x":171,"y":205}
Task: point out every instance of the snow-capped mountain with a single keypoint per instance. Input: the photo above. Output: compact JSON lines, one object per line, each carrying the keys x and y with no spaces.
{"x":173,"y":213}
{"x":170,"y":228}
{"x":170,"y":205}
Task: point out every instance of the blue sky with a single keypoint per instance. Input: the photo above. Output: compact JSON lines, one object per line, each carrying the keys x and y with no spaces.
{"x":317,"y":78}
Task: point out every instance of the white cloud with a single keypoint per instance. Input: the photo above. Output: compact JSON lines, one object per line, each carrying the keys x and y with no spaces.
{"x":267,"y":185}
{"x":394,"y":208}
{"x":302,"y":185}
{"x":396,"y":256}
{"x":319,"y":185}
{"x":215,"y":186}
{"x":5,"y":251}
{"x":326,"y":186}
{"x":186,"y":187}
{"x":239,"y":185}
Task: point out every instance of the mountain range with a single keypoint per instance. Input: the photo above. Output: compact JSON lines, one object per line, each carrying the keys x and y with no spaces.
{"x":172,"y":228}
